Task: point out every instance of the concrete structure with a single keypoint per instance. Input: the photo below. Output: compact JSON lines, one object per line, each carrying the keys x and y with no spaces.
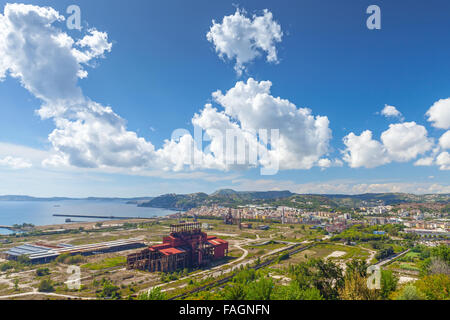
{"x":186,"y":247}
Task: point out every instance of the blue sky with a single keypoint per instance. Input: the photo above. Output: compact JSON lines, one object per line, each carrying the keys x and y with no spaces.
{"x":161,"y":70}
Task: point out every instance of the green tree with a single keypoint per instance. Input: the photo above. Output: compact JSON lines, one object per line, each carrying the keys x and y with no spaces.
{"x":388,"y":283}
{"x":355,"y":288}
{"x":109,"y":290}
{"x":357,"y":266}
{"x":153,"y":294}
{"x":435,"y":286}
{"x":16,"y":284}
{"x":260,"y":290}
{"x":245,"y":276}
{"x":235,"y":291}
{"x":408,"y":292}
{"x":327,"y":278}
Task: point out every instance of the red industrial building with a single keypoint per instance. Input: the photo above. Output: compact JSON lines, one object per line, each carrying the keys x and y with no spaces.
{"x":185,"y":247}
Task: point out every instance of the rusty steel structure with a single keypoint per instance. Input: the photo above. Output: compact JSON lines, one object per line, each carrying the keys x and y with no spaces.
{"x":229,"y":219}
{"x":185,"y":247}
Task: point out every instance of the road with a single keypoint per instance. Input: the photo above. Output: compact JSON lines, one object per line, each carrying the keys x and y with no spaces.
{"x":382,"y":263}
{"x":215,"y":272}
{"x":35,"y":292}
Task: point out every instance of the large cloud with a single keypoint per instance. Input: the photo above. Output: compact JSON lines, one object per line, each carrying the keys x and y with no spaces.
{"x":363,"y":151}
{"x":247,"y":112}
{"x":401,"y":142}
{"x":243,"y":39}
{"x":249,"y":107}
{"x":439,"y":114}
{"x":405,"y":141}
{"x":48,"y":62}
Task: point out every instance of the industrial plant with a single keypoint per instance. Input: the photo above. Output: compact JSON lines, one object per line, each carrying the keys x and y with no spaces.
{"x":185,"y":247}
{"x":43,"y":252}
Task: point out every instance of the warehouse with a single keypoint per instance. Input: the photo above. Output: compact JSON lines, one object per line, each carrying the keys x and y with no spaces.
{"x":42,"y":253}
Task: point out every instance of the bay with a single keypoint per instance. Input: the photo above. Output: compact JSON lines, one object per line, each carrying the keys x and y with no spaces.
{"x":41,"y":212}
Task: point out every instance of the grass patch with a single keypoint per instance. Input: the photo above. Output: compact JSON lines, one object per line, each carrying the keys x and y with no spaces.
{"x":106,"y":263}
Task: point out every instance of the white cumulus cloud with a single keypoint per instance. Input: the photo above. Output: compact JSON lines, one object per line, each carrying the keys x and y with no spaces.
{"x":401,"y":142}
{"x":444,"y":140}
{"x":427,"y":161}
{"x":439,"y":114}
{"x":443,"y":161}
{"x":243,"y":39}
{"x":391,"y":112}
{"x":15,"y":163}
{"x":405,"y":141}
{"x":247,"y":112}
{"x":363,"y":151}
{"x":48,"y":63}
{"x":303,"y":137}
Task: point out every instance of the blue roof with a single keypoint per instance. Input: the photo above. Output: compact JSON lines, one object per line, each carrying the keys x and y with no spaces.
{"x":26,"y":249}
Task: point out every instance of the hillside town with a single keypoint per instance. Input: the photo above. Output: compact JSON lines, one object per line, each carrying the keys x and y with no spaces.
{"x":427,"y":224}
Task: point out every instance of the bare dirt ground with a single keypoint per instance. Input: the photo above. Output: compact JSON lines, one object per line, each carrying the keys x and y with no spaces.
{"x":23,"y":283}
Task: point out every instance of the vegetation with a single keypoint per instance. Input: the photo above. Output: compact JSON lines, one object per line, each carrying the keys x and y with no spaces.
{"x":67,"y":258}
{"x":408,"y":292}
{"x":46,"y":285}
{"x":40,"y":272}
{"x":388,"y":283}
{"x":153,"y":294}
{"x":231,"y":198}
{"x":319,"y":279}
{"x":106,"y":263}
{"x":359,"y":233}
{"x":385,"y":253}
{"x":109,"y":290}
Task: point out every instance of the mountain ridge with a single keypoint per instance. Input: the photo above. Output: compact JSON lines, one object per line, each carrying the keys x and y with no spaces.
{"x":232,"y":198}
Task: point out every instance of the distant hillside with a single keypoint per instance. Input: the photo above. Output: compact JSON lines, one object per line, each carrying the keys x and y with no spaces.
{"x":176,"y":201}
{"x":28,"y":198}
{"x":232,"y":198}
{"x":225,"y":197}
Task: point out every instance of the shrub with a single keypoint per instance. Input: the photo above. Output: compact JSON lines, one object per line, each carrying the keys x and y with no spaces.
{"x":42,"y":272}
{"x":46,"y":286}
{"x":69,"y":259}
{"x":109,"y":290}
{"x":409,"y":292}
{"x":6,"y":266}
{"x":153,"y":294}
{"x":23,"y":260}
{"x":283,"y":256}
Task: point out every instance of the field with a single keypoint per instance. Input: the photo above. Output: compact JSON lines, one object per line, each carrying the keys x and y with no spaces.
{"x":246,"y":247}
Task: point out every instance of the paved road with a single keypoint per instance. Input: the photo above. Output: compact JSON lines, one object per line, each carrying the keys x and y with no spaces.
{"x":32,"y":293}
{"x":381,"y":263}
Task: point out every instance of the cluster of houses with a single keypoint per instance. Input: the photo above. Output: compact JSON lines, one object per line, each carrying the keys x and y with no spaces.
{"x":415,"y":221}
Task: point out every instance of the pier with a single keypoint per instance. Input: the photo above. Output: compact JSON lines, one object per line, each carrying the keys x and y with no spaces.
{"x":97,"y":217}
{"x":8,"y":227}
